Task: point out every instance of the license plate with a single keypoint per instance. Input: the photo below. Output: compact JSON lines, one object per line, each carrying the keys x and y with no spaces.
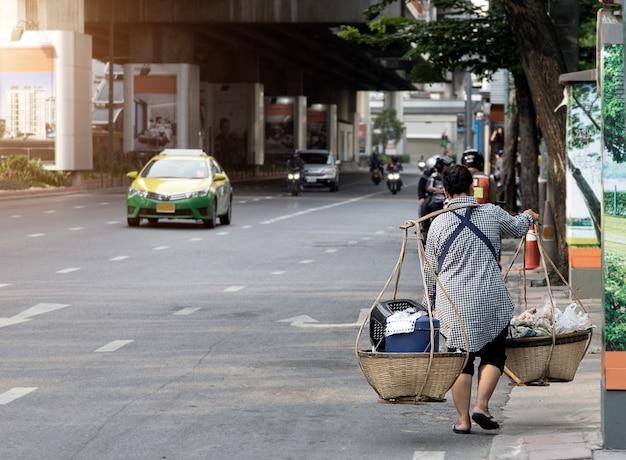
{"x":310,"y":179}
{"x":166,"y":207}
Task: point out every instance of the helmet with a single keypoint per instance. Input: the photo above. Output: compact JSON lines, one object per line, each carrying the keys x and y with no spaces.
{"x":473,"y":159}
{"x":430,"y":163}
{"x":443,"y":161}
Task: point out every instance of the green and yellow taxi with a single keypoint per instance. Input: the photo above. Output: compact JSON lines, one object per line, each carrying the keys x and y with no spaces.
{"x":180,"y":184}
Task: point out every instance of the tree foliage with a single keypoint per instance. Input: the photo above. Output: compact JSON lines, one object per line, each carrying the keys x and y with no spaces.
{"x":612,"y":83}
{"x":387,"y":128}
{"x":468,"y":37}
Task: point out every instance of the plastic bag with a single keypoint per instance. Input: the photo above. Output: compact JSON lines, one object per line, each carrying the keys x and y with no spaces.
{"x":570,"y":320}
{"x":403,"y":322}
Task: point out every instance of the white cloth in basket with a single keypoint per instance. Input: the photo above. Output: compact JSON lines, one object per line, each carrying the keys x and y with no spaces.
{"x":402,"y":322}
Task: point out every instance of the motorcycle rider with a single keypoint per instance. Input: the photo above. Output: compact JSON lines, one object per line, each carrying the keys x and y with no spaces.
{"x":427,"y":171}
{"x":376,"y":164}
{"x":436,"y":193}
{"x":394,"y":165}
{"x":295,"y":163}
{"x":485,"y":187}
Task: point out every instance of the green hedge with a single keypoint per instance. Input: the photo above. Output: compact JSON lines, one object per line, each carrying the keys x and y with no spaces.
{"x":615,"y":203}
{"x":18,"y":172}
{"x":615,"y":303}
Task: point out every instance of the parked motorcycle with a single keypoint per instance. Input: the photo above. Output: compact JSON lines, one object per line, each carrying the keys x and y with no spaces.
{"x":294,"y":182}
{"x":394,"y":183}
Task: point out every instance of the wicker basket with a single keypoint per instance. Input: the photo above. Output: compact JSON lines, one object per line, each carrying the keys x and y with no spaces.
{"x":409,"y":377}
{"x":535,"y":360}
{"x":555,"y":358}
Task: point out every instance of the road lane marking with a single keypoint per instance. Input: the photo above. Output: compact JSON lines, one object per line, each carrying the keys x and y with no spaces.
{"x":196,"y":239}
{"x":5,"y":285}
{"x":319,"y":208}
{"x":432,"y":455}
{"x":15,"y":393}
{"x":233,"y":288}
{"x":40,"y":309}
{"x":186,"y":311}
{"x":330,"y":251}
{"x":118,"y":258}
{"x":15,"y":216}
{"x":113,"y":346}
{"x":73,"y":229}
{"x":35,"y":235}
{"x":51,"y":211}
{"x":279,"y":272}
{"x":306,"y":261}
{"x":68,"y":270}
{"x":160,"y":248}
{"x":223,"y":233}
{"x":113,"y":222}
{"x":246,"y":226}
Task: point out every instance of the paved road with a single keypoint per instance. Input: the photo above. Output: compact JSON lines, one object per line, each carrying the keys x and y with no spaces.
{"x":178,"y":342}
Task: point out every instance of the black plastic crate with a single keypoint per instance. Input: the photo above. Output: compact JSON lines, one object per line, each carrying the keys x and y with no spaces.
{"x":379,"y":316}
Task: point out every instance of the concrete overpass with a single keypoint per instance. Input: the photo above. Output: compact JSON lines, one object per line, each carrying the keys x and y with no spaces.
{"x":287,"y":46}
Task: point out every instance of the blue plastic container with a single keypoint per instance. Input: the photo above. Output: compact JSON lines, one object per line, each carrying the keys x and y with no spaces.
{"x":417,"y":341}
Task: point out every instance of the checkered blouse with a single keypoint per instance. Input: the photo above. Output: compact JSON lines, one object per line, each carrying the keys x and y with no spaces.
{"x":471,"y":274}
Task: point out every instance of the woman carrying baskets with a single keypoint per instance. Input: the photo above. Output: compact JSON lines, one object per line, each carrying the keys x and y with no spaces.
{"x":463,"y":251}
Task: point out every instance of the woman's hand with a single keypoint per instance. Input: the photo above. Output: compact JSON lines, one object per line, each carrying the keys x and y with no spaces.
{"x":532,"y":214}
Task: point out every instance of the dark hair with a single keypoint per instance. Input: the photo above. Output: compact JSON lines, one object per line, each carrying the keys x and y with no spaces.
{"x":457,"y":180}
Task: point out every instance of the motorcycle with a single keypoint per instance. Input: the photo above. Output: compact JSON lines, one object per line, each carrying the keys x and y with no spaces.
{"x":394,"y":183}
{"x":294,"y":181}
{"x":376,"y":175}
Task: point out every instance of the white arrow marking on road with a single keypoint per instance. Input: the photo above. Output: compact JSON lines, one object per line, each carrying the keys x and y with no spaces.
{"x":307,"y":321}
{"x":27,"y":315}
{"x":113,"y":346}
{"x":15,"y":393}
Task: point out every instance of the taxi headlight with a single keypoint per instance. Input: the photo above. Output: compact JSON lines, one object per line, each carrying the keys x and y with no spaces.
{"x":197,"y":193}
{"x":132,"y":191}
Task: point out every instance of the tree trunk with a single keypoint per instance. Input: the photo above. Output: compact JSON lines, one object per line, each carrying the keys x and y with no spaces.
{"x":528,"y":147}
{"x":509,"y":159}
{"x":543,"y":63}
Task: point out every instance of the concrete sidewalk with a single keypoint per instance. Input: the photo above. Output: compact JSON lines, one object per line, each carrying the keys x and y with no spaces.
{"x":561,"y":420}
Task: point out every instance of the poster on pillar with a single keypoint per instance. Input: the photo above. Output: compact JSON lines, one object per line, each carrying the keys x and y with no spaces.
{"x":231,"y":107}
{"x":614,"y":205}
{"x":284,"y":125}
{"x":155,"y":112}
{"x":584,"y":165}
{"x":27,"y":102}
{"x":317,"y":126}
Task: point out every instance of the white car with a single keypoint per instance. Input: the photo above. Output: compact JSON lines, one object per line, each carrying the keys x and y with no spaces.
{"x":320,"y":169}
